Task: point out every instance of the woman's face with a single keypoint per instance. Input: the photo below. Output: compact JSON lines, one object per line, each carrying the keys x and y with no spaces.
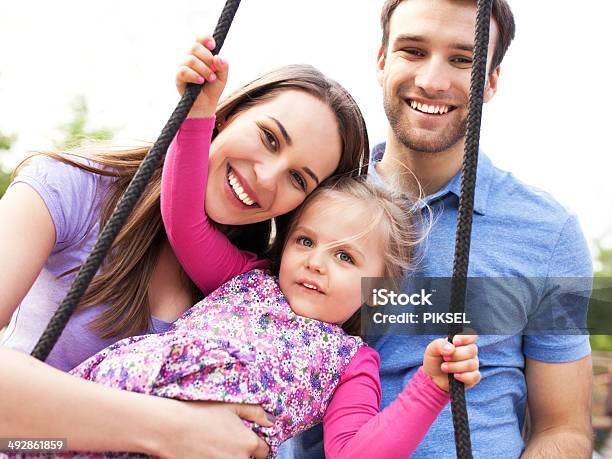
{"x":268,"y":158}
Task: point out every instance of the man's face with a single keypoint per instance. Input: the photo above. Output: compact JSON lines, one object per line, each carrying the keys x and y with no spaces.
{"x":425,"y":74}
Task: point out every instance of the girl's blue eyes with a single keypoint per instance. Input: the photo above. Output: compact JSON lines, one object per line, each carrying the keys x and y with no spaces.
{"x":342,"y":255}
{"x":304,"y":241}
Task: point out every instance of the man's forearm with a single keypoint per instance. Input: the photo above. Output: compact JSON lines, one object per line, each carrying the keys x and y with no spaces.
{"x":560,"y":443}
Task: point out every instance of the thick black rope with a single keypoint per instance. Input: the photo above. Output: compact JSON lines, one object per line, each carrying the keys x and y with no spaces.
{"x":463,"y":442}
{"x":128,"y":199}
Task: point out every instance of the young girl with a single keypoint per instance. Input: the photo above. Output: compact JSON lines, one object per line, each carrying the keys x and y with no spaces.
{"x":279,"y":342}
{"x":56,"y":206}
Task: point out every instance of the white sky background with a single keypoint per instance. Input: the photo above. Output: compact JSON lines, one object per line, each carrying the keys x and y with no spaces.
{"x":547,"y":123}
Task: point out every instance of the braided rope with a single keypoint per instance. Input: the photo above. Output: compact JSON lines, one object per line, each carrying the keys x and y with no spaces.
{"x":464,"y":220}
{"x":128,"y":200}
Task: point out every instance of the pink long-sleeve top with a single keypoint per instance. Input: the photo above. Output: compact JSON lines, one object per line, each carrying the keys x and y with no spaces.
{"x":353,"y":425}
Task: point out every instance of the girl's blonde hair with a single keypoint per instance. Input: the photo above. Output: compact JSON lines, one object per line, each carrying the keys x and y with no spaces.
{"x":394,"y":214}
{"x":124,"y":279}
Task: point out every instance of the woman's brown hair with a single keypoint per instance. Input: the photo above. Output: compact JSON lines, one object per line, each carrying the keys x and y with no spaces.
{"x":124,"y":279}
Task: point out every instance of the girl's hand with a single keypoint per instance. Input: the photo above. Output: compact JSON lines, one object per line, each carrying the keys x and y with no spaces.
{"x":199,"y":66}
{"x":459,"y":358}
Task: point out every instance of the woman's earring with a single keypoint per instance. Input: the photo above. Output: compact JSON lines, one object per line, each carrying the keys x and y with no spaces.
{"x":217,"y":128}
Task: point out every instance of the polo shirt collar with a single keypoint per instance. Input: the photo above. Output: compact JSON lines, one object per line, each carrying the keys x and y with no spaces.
{"x":484,"y":176}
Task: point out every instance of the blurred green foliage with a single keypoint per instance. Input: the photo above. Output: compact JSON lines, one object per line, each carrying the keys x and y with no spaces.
{"x":604,"y":259}
{"x":6,"y":140}
{"x":75,"y":132}
{"x":5,"y":179}
{"x":601,"y":343}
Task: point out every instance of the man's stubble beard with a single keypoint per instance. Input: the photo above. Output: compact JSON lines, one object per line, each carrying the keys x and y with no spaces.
{"x":414,"y":141}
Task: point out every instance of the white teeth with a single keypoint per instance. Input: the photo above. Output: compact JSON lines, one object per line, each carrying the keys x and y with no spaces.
{"x":235,"y":184}
{"x":312,"y":287}
{"x":245,"y":198}
{"x":433,"y":109}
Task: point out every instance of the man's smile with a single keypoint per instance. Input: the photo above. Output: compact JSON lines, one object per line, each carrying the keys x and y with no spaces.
{"x":430,"y":108}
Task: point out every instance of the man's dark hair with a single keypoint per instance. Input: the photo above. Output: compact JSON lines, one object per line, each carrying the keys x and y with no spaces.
{"x":502,"y":14}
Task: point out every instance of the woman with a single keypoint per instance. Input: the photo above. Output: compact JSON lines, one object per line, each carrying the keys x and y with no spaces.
{"x":310,"y":129}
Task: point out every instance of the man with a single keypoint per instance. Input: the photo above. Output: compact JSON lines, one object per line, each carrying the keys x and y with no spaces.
{"x":424,"y":68}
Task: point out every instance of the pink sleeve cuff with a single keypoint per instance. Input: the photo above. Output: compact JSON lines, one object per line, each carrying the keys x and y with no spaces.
{"x":198,"y":126}
{"x":438,"y":397}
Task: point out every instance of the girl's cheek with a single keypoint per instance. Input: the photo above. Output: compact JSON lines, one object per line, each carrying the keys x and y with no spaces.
{"x":352,"y":293}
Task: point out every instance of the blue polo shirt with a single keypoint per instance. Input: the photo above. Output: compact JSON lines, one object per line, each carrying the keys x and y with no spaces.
{"x":518,"y":231}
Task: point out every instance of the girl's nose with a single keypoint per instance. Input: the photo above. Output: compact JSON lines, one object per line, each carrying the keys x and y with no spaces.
{"x":314,"y":262}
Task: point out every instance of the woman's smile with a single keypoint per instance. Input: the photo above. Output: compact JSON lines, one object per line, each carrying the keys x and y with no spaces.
{"x":243,"y":194}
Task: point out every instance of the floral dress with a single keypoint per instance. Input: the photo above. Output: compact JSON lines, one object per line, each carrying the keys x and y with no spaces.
{"x":241,"y":344}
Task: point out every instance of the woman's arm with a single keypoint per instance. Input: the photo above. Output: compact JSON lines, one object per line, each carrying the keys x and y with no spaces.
{"x":207,"y":256}
{"x":27,"y":236}
{"x":39,"y":401}
{"x":353,"y":426}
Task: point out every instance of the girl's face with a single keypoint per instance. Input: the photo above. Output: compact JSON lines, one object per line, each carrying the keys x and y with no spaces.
{"x":267,"y":159}
{"x":323,"y":282}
